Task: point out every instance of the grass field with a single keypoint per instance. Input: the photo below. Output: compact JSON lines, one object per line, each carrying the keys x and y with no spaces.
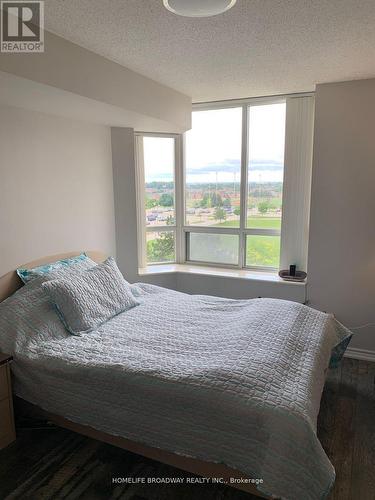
{"x":263,"y":251}
{"x":255,"y":223}
{"x":260,"y":250}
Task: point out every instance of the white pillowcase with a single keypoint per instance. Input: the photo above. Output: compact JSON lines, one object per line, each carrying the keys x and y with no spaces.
{"x":87,"y":299}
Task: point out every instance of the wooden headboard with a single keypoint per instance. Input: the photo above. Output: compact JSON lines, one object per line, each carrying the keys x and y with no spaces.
{"x":10,"y":282}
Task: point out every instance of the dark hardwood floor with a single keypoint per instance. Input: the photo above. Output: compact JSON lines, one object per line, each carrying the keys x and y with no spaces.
{"x":51,"y":463}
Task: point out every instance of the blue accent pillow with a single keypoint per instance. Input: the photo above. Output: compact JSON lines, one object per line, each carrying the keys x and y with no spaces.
{"x":78,"y":262}
{"x":344,"y":336}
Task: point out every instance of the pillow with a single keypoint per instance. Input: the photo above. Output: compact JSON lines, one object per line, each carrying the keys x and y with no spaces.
{"x":88,"y":299}
{"x":28,"y":320}
{"x":55,"y":269}
{"x":344,"y":336}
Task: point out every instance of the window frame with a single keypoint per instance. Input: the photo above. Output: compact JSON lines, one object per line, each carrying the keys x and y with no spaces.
{"x":242,"y":231}
{"x":142,"y":228}
{"x":182,"y":229}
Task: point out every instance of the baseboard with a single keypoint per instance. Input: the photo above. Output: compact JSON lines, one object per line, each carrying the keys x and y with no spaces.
{"x":363,"y":354}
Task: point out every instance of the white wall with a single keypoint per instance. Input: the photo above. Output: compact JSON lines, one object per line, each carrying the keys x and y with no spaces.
{"x":56,"y":190}
{"x":28,"y":94}
{"x":342,"y":225}
{"x":238,"y":288}
{"x":67,"y":66}
{"x":125,"y":200}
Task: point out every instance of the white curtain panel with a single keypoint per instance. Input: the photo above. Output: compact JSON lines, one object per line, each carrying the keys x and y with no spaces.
{"x":297,"y":181}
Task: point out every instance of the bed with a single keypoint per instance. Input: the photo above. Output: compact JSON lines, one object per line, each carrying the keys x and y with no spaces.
{"x":218,"y":387}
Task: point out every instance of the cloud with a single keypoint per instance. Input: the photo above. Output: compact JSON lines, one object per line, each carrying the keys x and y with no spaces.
{"x":234,"y":166}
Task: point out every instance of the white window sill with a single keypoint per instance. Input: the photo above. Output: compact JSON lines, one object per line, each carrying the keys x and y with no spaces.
{"x":246,"y":274}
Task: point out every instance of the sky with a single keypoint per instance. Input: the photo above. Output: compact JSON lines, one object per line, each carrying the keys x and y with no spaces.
{"x":213,"y":147}
{"x":158,"y":158}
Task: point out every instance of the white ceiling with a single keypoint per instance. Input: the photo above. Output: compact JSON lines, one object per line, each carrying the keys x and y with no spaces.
{"x":259,"y":47}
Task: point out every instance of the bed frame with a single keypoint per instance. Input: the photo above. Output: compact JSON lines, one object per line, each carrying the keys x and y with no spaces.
{"x":9,"y":283}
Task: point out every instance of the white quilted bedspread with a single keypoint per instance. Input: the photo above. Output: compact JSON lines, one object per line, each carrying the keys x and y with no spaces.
{"x":231,"y":381}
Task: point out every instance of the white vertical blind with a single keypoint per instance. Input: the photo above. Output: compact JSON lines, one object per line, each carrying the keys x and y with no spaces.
{"x":297,"y":181}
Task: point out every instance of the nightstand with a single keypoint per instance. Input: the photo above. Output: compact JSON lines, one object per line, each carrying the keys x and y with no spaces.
{"x":7,"y":429}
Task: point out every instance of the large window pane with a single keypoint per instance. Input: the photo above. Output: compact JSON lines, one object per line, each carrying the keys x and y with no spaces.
{"x":159,"y":159}
{"x":160,"y":247}
{"x":266,"y":165}
{"x":213,"y":168}
{"x":262,"y":250}
{"x":215,"y":248}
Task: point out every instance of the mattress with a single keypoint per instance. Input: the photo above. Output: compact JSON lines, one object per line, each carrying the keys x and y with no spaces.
{"x":237,"y":382}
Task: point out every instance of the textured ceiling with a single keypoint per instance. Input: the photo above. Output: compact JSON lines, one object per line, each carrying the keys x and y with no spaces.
{"x":259,"y":47}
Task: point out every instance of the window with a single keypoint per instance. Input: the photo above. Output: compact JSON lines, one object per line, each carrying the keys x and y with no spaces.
{"x":241,"y":196}
{"x":213,"y":248}
{"x":248,"y":207}
{"x":265,"y":176}
{"x":213,"y":168}
{"x":157,"y":161}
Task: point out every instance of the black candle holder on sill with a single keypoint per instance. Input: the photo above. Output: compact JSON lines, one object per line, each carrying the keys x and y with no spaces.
{"x":292,"y":274}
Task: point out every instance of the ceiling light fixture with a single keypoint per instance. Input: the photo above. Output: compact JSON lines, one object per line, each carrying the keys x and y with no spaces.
{"x":198,"y":8}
